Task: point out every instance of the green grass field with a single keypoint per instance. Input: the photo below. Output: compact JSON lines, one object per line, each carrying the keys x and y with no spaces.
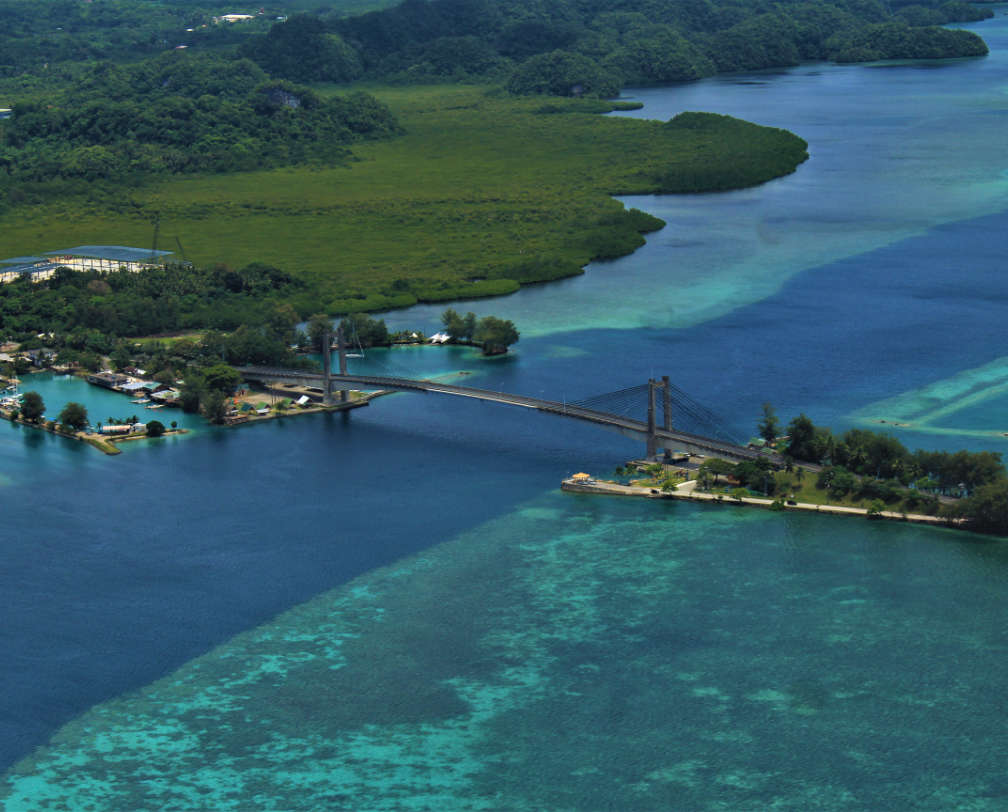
{"x":482,"y":193}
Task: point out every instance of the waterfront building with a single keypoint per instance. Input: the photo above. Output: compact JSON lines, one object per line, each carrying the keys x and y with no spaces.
{"x":110,"y":380}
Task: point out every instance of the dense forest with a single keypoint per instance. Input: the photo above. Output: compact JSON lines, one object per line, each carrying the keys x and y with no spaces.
{"x":594,"y":48}
{"x":108,"y":94}
{"x":45,"y":35}
{"x":182,"y":113}
{"x":156,"y":301}
{"x":588,"y":47}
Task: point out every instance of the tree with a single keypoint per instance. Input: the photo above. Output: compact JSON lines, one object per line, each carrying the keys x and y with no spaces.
{"x":32,"y":407}
{"x":215,"y":406}
{"x":986,"y":509}
{"x":704,"y":479}
{"x":361,"y":330}
{"x":301,"y":49}
{"x":801,"y":439}
{"x":842,"y":483}
{"x":318,"y":325}
{"x":255,"y":345}
{"x":120,"y":357}
{"x":756,"y":475}
{"x":658,"y":55}
{"x":769,"y":426}
{"x":718,"y":467}
{"x":563,"y":73}
{"x":221,"y":378}
{"x":496,"y":335}
{"x":74,"y":416}
{"x":452,"y":323}
{"x":191,"y":392}
{"x":283,"y":321}
{"x":459,"y":328}
{"x":469,"y":326}
{"x":155,"y":428}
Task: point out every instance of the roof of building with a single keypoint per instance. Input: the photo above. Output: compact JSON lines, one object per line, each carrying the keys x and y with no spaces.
{"x":23,"y":260}
{"x":28,"y":268}
{"x":122,"y":253}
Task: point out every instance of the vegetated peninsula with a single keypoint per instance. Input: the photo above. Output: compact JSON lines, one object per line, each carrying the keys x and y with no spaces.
{"x":859,"y":472}
{"x":396,"y":191}
{"x":459,"y":191}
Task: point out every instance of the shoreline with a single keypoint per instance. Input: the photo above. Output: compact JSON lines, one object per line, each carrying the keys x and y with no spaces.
{"x":103,"y":442}
{"x":686,"y":491}
{"x":106,"y":443}
{"x":247,"y":419}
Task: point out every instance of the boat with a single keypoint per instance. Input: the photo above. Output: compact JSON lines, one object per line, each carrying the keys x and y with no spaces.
{"x":141,"y":400}
{"x":155,"y":406}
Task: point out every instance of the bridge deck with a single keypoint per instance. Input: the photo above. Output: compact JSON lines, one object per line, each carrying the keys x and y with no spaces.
{"x":691,"y":442}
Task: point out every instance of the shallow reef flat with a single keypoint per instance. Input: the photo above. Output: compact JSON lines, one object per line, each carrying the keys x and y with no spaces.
{"x":572,"y":655}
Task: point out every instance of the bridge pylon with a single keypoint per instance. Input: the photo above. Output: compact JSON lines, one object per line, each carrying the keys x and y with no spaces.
{"x":652,"y":429}
{"x":326,"y":368}
{"x":327,"y":398}
{"x":341,"y":350}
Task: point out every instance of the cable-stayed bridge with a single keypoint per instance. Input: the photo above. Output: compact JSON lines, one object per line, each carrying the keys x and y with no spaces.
{"x":612,"y":410}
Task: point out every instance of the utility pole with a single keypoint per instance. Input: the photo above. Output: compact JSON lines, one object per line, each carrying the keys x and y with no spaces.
{"x":154,"y":242}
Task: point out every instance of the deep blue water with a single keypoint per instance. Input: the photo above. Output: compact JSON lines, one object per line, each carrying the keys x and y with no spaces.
{"x":118,"y":569}
{"x":873,"y":271}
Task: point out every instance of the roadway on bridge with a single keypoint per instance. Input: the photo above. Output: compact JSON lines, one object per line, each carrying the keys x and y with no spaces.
{"x":694,"y":443}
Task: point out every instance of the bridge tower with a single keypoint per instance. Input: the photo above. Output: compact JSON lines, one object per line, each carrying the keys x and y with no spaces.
{"x":652,"y":435}
{"x":326,"y":369}
{"x":341,"y":351}
{"x":327,"y":365}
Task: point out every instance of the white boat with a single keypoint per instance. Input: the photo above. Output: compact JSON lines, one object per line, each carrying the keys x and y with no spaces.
{"x":141,"y":400}
{"x":155,"y":406}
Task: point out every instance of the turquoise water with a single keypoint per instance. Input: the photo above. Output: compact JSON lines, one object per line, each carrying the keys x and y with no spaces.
{"x":894,"y":151}
{"x":58,"y":390}
{"x":397,"y":609}
{"x":973,"y":402}
{"x":585,"y":653}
